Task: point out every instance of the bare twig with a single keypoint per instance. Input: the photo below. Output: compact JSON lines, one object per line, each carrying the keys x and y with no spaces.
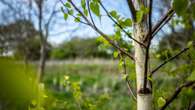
{"x":165,"y":22}
{"x":126,"y":79}
{"x":132,"y":9}
{"x":130,"y":90}
{"x":120,"y":25}
{"x":168,"y":60}
{"x":47,"y":24}
{"x":160,"y":24}
{"x":176,"y":93}
{"x":150,"y":17}
{"x":90,"y":14}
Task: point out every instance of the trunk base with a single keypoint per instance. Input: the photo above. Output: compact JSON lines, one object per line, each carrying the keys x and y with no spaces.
{"x":144,"y":101}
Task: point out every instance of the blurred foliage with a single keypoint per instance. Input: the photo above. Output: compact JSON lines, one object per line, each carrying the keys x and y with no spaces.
{"x":102,"y":87}
{"x":176,"y":40}
{"x":78,"y":47}
{"x":19,"y":89}
{"x":185,"y":10}
{"x":21,"y":38}
{"x":15,"y":33}
{"x":87,"y":87}
{"x":182,"y":29}
{"x":29,"y":49}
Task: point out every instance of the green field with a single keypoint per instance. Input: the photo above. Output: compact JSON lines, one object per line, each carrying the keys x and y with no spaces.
{"x":102,"y":87}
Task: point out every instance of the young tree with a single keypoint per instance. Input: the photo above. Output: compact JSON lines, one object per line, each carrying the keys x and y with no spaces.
{"x":143,"y":33}
{"x":41,"y":13}
{"x":44,"y":24}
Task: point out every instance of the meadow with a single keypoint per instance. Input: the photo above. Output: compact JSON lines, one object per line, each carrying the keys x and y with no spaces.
{"x":100,"y":82}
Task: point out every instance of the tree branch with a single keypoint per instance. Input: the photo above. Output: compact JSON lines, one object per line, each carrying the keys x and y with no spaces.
{"x":101,"y":33}
{"x":160,"y":24}
{"x":150,"y":17}
{"x":47,"y":24}
{"x":132,"y":9}
{"x":120,"y":25}
{"x":176,"y":93}
{"x":74,"y":16}
{"x":168,"y":60}
{"x":90,"y":13}
{"x":115,"y":45}
{"x":146,"y":66}
{"x":126,"y":79}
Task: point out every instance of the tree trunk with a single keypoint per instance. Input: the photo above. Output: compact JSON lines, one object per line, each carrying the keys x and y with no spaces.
{"x":144,"y":95}
{"x":42,"y":61}
{"x":43,"y":41}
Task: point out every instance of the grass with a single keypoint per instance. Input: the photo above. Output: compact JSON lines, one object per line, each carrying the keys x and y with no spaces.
{"x":93,"y":85}
{"x":101,"y":85}
{"x":103,"y":88}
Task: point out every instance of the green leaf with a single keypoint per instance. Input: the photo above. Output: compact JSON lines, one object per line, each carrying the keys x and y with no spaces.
{"x":180,"y":6}
{"x":158,"y":56}
{"x":95,"y":8}
{"x":120,"y":64}
{"x":139,"y":16}
{"x":65,"y":16}
{"x":70,"y":12}
{"x":103,"y":40}
{"x":34,"y":102}
{"x":67,"y":5}
{"x":117,"y":36}
{"x":192,"y":76}
{"x":128,"y":22}
{"x":83,"y":4}
{"x":77,"y":19}
{"x":114,"y":14}
{"x":96,"y":1}
{"x":125,"y":76}
{"x":190,"y":44}
{"x":150,"y":79}
{"x":79,"y":15}
{"x":115,"y":54}
{"x":161,"y":101}
{"x":125,"y":23}
{"x":86,"y":12}
{"x":144,"y":9}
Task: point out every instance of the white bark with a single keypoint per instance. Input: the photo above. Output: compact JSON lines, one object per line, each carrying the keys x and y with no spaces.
{"x":144,"y":100}
{"x":139,"y":55}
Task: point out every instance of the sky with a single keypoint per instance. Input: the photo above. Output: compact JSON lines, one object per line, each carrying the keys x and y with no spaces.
{"x":106,"y":25}
{"x":81,"y":30}
{"x":62,"y":30}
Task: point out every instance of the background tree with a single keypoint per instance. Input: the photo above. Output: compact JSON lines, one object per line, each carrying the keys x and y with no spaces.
{"x":76,"y":46}
{"x":39,"y":12}
{"x":29,"y":50}
{"x":14,"y":34}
